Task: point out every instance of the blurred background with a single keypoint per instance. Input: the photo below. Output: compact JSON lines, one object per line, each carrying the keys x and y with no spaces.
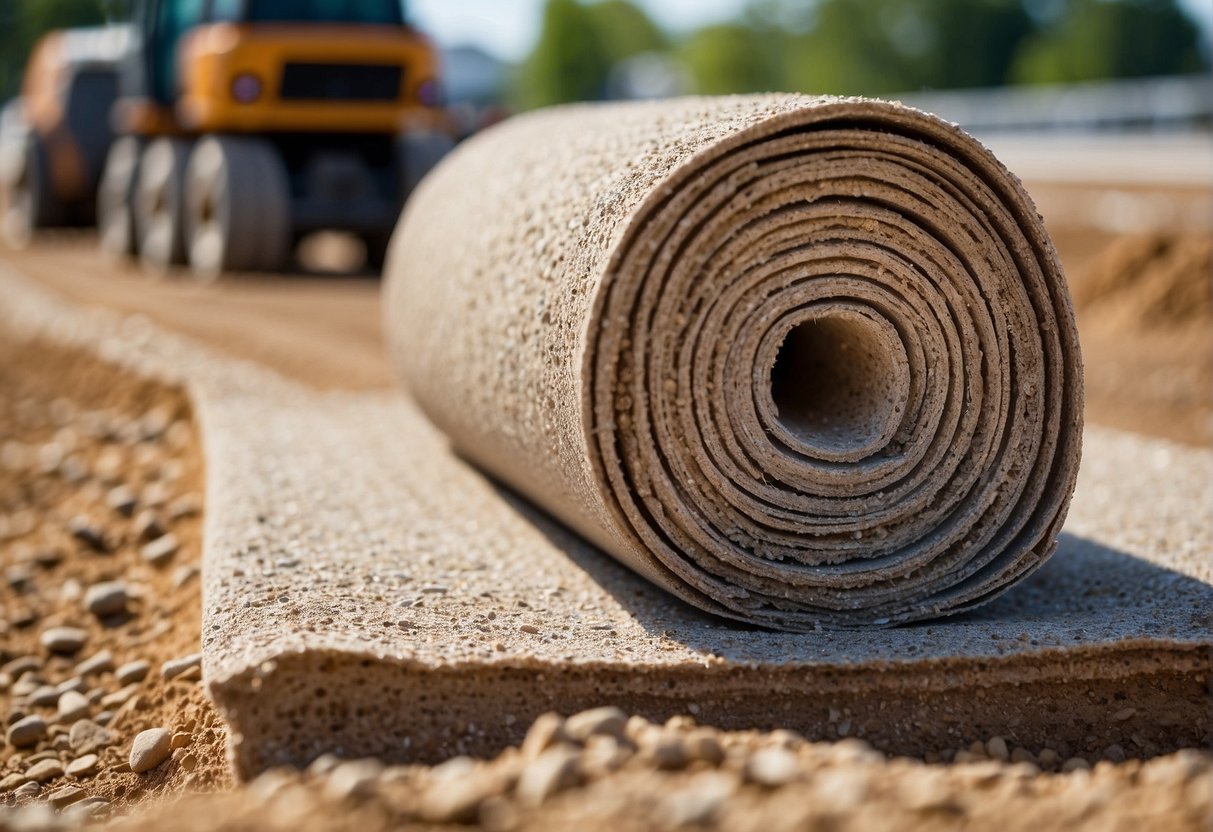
{"x":531,"y":53}
{"x":1103,"y":107}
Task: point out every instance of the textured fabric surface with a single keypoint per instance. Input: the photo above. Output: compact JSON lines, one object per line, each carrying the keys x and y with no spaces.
{"x":801,"y":361}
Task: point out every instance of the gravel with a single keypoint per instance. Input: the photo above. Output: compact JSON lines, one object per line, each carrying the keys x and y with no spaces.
{"x":150,"y":748}
{"x":183,"y":665}
{"x":100,"y":662}
{"x":65,"y":640}
{"x":161,"y":550}
{"x":72,"y":706}
{"x":135,"y":671}
{"x":86,"y":737}
{"x":84,"y":766}
{"x":44,"y":770}
{"x":108,"y":598}
{"x":88,"y":533}
{"x":26,"y":731}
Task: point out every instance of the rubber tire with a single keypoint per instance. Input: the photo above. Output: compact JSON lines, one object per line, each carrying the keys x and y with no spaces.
{"x":237,"y":207}
{"x":159,"y":204}
{"x":28,"y":199}
{"x":376,"y":252}
{"x":115,"y":198}
{"x":420,"y":151}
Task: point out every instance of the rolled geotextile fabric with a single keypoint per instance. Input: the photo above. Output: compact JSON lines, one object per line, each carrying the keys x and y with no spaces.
{"x":803,"y":362}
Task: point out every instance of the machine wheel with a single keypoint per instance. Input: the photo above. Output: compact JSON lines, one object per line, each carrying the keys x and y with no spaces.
{"x":420,"y":152}
{"x":115,"y":198}
{"x":28,"y":200}
{"x":158,"y":204}
{"x":237,"y":206}
{"x":376,"y":251}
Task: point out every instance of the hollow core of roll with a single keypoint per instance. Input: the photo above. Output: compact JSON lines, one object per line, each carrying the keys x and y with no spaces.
{"x":830,"y":384}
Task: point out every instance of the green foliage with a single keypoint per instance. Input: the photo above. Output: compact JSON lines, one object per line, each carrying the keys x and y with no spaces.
{"x":23,"y":22}
{"x":732,"y":58}
{"x":868,"y":47}
{"x":624,"y":30}
{"x":882,"y":46}
{"x":1093,"y":39}
{"x":578,"y":45}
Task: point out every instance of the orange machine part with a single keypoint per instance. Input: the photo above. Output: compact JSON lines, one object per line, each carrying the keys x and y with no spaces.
{"x":213,"y":56}
{"x":42,"y":108}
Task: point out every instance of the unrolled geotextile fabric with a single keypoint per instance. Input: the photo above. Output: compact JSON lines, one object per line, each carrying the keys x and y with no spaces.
{"x":803,"y":362}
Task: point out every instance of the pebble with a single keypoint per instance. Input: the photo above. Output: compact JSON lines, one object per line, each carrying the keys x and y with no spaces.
{"x":698,"y":802}
{"x":48,"y":558}
{"x":176,"y":667}
{"x":18,"y":667}
{"x":122,"y":500}
{"x":45,"y":696}
{"x":352,"y":779}
{"x":552,"y":771}
{"x":86,"y":737}
{"x":996,"y":747}
{"x":87,"y":533}
{"x":132,"y":672}
{"x":119,"y":697}
{"x":87,"y":809}
{"x":667,"y":752}
{"x":66,"y":796}
{"x":97,"y":663}
{"x":182,"y":575}
{"x":44,"y":770}
{"x":160,"y":550}
{"x":702,"y":744}
{"x":106,"y":598}
{"x":147,"y":526}
{"x":543,"y":732}
{"x":26,"y":685}
{"x":27,"y":731}
{"x":72,"y":706}
{"x":84,"y":766}
{"x":772,"y":767}
{"x":63,"y":639}
{"x":11,"y":781}
{"x":606,"y":721}
{"x":458,"y":799}
{"x":187,"y":505}
{"x":150,"y":749}
{"x":75,"y":683}
{"x":30,"y":789}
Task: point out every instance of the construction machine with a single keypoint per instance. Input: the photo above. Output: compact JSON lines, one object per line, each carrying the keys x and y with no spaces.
{"x":55,"y":136}
{"x":243,"y":125}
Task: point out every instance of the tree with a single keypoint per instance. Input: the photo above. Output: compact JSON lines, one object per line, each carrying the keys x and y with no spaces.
{"x":884,"y":46}
{"x":569,"y":63}
{"x":1093,"y":39}
{"x":578,"y":45}
{"x":732,"y":58}
{"x":624,"y":30}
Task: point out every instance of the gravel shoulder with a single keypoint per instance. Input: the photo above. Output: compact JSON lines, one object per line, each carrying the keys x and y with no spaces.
{"x":100,"y":537}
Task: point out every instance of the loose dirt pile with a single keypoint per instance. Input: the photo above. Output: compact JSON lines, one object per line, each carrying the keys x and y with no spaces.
{"x":100,"y":504}
{"x":1145,"y":314}
{"x":1146,"y":282}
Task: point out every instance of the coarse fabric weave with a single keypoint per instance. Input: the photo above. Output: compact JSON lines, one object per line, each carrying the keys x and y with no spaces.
{"x":803,"y":361}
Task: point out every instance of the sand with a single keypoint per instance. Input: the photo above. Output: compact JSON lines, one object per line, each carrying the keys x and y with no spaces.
{"x":406,"y":580}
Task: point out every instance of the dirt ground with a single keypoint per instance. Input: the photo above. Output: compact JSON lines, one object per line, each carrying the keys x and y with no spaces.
{"x":1142,"y":298}
{"x":96,"y":469}
{"x":100,"y":533}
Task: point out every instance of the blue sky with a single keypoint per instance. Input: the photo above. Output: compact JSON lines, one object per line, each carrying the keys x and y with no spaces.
{"x":508,"y":28}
